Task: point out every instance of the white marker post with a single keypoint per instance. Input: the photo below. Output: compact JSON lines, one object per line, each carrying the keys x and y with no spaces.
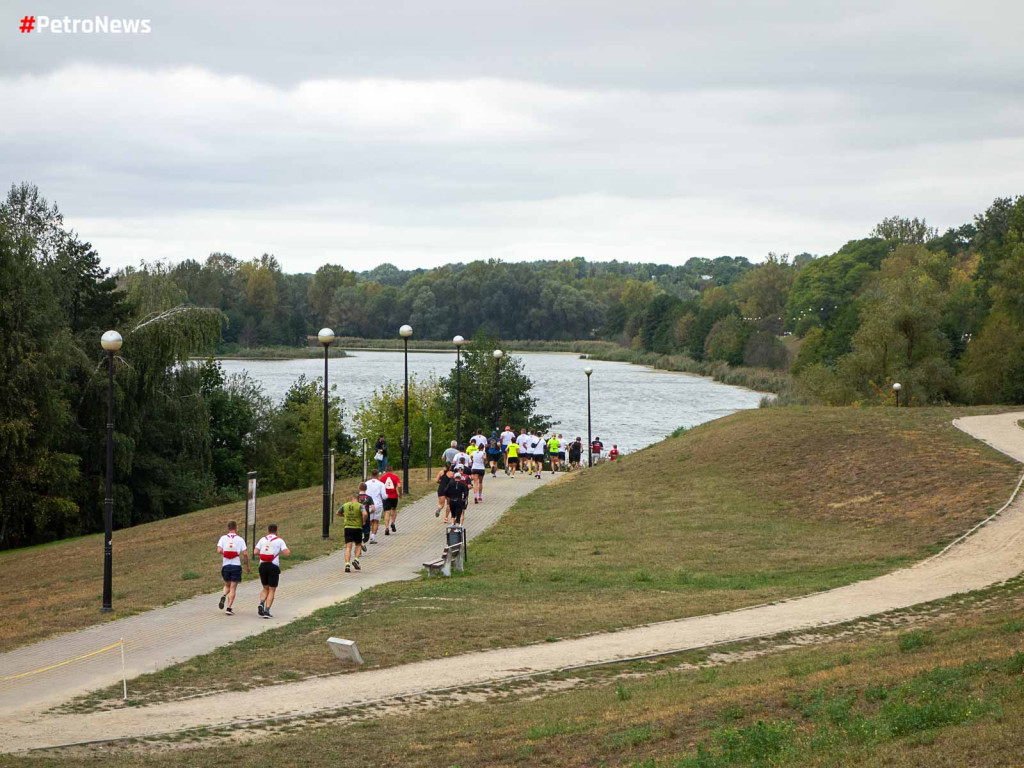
{"x":124,"y":676}
{"x":250,"y":507}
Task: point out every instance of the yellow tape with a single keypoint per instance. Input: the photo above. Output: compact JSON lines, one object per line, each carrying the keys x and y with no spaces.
{"x":62,"y":663}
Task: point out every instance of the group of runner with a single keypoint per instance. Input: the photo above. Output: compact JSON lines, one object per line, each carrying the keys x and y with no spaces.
{"x":231,"y":547}
{"x":375,"y":503}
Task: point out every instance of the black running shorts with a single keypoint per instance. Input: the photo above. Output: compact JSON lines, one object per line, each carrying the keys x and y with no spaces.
{"x":270,"y":574}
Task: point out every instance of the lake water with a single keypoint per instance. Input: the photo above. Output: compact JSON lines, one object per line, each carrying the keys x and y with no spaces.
{"x":632,"y":405}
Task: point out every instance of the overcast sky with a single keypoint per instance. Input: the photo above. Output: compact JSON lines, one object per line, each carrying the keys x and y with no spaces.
{"x":429,"y":131}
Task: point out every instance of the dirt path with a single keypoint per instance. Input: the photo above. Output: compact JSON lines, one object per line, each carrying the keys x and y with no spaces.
{"x":993,"y":553}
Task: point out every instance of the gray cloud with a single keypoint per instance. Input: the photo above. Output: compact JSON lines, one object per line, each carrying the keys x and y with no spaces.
{"x":424,"y":132}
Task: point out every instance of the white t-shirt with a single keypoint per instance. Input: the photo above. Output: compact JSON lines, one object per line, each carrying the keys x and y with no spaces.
{"x":537,"y":447}
{"x":463,"y":459}
{"x":269,"y":548}
{"x":563,"y":445}
{"x":523,"y":441}
{"x":375,"y":490}
{"x":507,"y":437}
{"x":479,"y":459}
{"x":479,"y":441}
{"x":233,"y":546}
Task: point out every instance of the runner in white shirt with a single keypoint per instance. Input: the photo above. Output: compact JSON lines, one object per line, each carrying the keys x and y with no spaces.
{"x":479,"y":469}
{"x":524,"y":441}
{"x":269,"y":550}
{"x":376,"y":491}
{"x":506,"y":437}
{"x":463,"y":460}
{"x":231,"y":547}
{"x":563,"y":451}
{"x":479,"y":440}
{"x":537,"y":447}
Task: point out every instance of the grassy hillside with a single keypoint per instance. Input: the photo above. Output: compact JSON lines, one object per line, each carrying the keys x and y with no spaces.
{"x":758,"y":506}
{"x":59,"y":586}
{"x":935,"y":688}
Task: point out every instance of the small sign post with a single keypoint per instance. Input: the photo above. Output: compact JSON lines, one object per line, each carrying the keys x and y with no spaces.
{"x":365,"y":443}
{"x":430,"y":446}
{"x":332,"y":484}
{"x":250,"y":506}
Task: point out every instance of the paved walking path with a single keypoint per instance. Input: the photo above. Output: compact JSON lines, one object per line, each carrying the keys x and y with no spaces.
{"x":991,"y":554}
{"x":165,"y":636}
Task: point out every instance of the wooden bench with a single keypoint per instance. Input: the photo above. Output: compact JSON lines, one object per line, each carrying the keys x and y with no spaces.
{"x":443,"y":565}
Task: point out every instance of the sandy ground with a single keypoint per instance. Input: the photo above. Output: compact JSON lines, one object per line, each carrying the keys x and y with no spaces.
{"x":991,"y":554}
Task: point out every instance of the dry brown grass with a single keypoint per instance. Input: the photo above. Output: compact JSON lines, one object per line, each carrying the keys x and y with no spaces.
{"x":58,"y":587}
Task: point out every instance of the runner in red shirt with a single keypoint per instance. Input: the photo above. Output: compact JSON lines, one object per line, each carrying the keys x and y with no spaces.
{"x":613,"y":454}
{"x":392,"y":493}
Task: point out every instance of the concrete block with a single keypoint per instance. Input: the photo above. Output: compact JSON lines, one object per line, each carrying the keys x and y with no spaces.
{"x":345,"y":650}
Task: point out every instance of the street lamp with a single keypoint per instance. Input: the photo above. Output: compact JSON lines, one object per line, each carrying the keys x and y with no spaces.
{"x":458,"y":341}
{"x":405,"y":332}
{"x":896,"y":388}
{"x":497,"y":389}
{"x":325,"y":337}
{"x":590,"y":442}
{"x":111,"y":342}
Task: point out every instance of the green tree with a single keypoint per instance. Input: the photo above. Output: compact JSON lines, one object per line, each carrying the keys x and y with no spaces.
{"x":517,"y":406}
{"x":384,"y":414}
{"x":903,"y":230}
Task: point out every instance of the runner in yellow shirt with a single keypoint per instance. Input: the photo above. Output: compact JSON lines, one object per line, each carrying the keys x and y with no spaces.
{"x":512,"y":458}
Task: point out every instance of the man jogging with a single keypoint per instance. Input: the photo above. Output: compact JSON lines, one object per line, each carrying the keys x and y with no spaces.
{"x":353,"y":514}
{"x":269,"y":550}
{"x":595,"y":448}
{"x":375,"y":490}
{"x":231,"y":547}
{"x":575,"y":452}
{"x":392,"y":492}
{"x":493,"y":452}
{"x":553,"y":446}
{"x":367,"y":501}
{"x":506,"y":437}
{"x":450,"y":453}
{"x":538,"y":454}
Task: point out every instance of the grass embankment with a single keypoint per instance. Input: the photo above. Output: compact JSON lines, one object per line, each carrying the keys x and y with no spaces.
{"x":947,"y":692}
{"x":58,"y":587}
{"x":758,"y":506}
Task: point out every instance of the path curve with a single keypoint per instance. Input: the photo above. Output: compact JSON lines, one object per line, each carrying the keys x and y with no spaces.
{"x":994,"y":553}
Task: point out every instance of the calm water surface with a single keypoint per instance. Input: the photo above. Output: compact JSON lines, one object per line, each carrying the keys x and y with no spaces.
{"x":632,"y":405}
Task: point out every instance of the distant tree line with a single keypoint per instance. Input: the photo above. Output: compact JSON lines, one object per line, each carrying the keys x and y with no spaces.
{"x":943,"y":314}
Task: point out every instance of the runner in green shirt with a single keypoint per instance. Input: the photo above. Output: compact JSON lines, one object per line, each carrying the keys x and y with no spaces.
{"x":354,"y":515}
{"x":553,"y":453}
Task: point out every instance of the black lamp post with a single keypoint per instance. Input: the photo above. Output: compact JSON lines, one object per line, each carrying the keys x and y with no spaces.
{"x":497,"y":389}
{"x":896,"y":388}
{"x":590,"y":441}
{"x":325,"y":337}
{"x":458,"y":341}
{"x":405,"y":332}
{"x":111,"y":342}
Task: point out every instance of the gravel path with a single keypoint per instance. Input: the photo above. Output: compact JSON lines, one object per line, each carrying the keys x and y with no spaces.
{"x":993,"y":553}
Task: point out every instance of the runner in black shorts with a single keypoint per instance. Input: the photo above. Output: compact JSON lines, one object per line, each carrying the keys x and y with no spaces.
{"x":458,"y":495}
{"x":269,"y":550}
{"x":442,"y":480}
